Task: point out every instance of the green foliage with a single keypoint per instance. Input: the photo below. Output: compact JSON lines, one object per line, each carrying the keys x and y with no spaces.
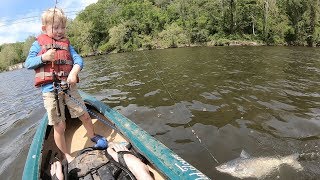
{"x":10,"y":54}
{"x":295,"y":10}
{"x":219,"y":42}
{"x":317,"y":36}
{"x":81,"y":35}
{"x":172,"y":36}
{"x":118,"y":37}
{"x":127,"y":25}
{"x":26,"y":46}
{"x":147,"y":42}
{"x":106,"y":48}
{"x":290,"y":36}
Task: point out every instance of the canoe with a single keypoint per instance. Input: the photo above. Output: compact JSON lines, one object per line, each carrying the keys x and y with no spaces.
{"x":163,"y":163}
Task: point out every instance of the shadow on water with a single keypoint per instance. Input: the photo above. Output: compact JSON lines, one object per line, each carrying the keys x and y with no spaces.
{"x":264,"y":100}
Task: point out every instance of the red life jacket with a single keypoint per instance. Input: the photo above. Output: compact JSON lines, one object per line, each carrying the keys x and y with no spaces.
{"x":63,"y":61}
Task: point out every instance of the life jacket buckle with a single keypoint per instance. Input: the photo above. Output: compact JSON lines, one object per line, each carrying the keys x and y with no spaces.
{"x":61,"y":62}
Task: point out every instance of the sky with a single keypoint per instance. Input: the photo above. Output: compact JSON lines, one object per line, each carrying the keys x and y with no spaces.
{"x":20,"y":19}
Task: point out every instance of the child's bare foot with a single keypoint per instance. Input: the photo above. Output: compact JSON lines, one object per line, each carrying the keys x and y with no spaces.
{"x":121,"y":154}
{"x":69,"y":158}
{"x":56,"y":171}
{"x":114,"y":148}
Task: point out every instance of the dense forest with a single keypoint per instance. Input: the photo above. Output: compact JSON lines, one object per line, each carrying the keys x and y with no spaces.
{"x":128,"y":25}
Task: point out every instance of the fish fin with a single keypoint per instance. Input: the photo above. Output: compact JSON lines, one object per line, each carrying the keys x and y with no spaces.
{"x":293,"y":161}
{"x":296,"y":156}
{"x":292,"y":157}
{"x":244,"y":155}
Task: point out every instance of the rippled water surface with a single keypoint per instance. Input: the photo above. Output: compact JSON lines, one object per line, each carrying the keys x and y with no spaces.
{"x":264,"y":100}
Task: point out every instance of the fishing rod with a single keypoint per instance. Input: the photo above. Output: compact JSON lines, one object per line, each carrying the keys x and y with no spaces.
{"x":180,"y":110}
{"x":63,"y":87}
{"x":54,"y":11}
{"x":54,"y":76}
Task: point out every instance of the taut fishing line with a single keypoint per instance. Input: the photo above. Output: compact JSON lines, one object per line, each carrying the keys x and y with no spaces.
{"x":180,"y":110}
{"x":169,"y":93}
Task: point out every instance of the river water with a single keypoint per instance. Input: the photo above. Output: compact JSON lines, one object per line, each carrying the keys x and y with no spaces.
{"x":264,"y":100}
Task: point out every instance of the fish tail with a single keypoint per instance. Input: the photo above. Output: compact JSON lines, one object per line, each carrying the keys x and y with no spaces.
{"x":293,"y":161}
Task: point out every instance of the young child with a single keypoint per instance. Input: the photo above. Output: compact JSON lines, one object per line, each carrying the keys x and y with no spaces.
{"x":52,"y":54}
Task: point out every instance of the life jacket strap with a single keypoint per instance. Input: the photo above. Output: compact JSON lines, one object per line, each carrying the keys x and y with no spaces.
{"x":54,"y":46}
{"x":43,"y":74}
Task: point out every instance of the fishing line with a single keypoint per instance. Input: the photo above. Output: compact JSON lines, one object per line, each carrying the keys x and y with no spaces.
{"x":180,"y":110}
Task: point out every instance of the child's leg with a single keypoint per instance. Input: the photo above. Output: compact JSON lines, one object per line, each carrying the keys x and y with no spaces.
{"x":56,"y":170}
{"x":87,"y":123}
{"x":59,"y":138}
{"x":58,"y":122}
{"x":76,"y":108}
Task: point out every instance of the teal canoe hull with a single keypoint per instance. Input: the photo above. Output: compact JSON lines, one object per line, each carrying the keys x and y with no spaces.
{"x":165,"y":160}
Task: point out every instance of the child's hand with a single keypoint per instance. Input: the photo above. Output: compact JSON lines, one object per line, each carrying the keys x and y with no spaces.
{"x":72,"y":78}
{"x":48,"y":56}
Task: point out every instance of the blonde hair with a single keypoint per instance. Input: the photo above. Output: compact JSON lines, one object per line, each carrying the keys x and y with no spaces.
{"x":53,"y":14}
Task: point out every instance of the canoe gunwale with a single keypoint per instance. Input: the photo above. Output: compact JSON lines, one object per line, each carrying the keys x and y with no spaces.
{"x":33,"y":161}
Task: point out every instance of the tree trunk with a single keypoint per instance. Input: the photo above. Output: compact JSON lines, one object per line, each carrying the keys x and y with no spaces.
{"x":265,"y":18}
{"x":253,"y":32}
{"x":313,"y":17}
{"x":232,"y":15}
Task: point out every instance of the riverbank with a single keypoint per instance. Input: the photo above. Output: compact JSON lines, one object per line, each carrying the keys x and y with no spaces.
{"x":221,"y":42}
{"x":15,"y":66}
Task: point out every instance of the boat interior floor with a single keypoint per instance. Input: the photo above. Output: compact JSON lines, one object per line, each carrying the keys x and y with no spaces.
{"x":76,"y":140}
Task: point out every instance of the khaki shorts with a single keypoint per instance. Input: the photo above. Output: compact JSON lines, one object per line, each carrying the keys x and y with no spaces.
{"x":75,"y":109}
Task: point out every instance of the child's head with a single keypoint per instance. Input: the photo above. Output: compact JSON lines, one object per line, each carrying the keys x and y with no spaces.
{"x":54,"y":23}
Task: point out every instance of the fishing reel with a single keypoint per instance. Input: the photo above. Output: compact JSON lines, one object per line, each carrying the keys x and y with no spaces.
{"x":64,"y":85}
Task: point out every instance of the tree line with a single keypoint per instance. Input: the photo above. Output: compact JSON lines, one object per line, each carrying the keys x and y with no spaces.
{"x":128,"y":25}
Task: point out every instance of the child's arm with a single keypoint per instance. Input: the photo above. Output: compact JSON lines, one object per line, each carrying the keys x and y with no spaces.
{"x":33,"y":60}
{"x":73,"y":76}
{"x":77,"y":66}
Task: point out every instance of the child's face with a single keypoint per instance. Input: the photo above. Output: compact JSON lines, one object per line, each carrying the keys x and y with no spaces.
{"x":56,"y":31}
